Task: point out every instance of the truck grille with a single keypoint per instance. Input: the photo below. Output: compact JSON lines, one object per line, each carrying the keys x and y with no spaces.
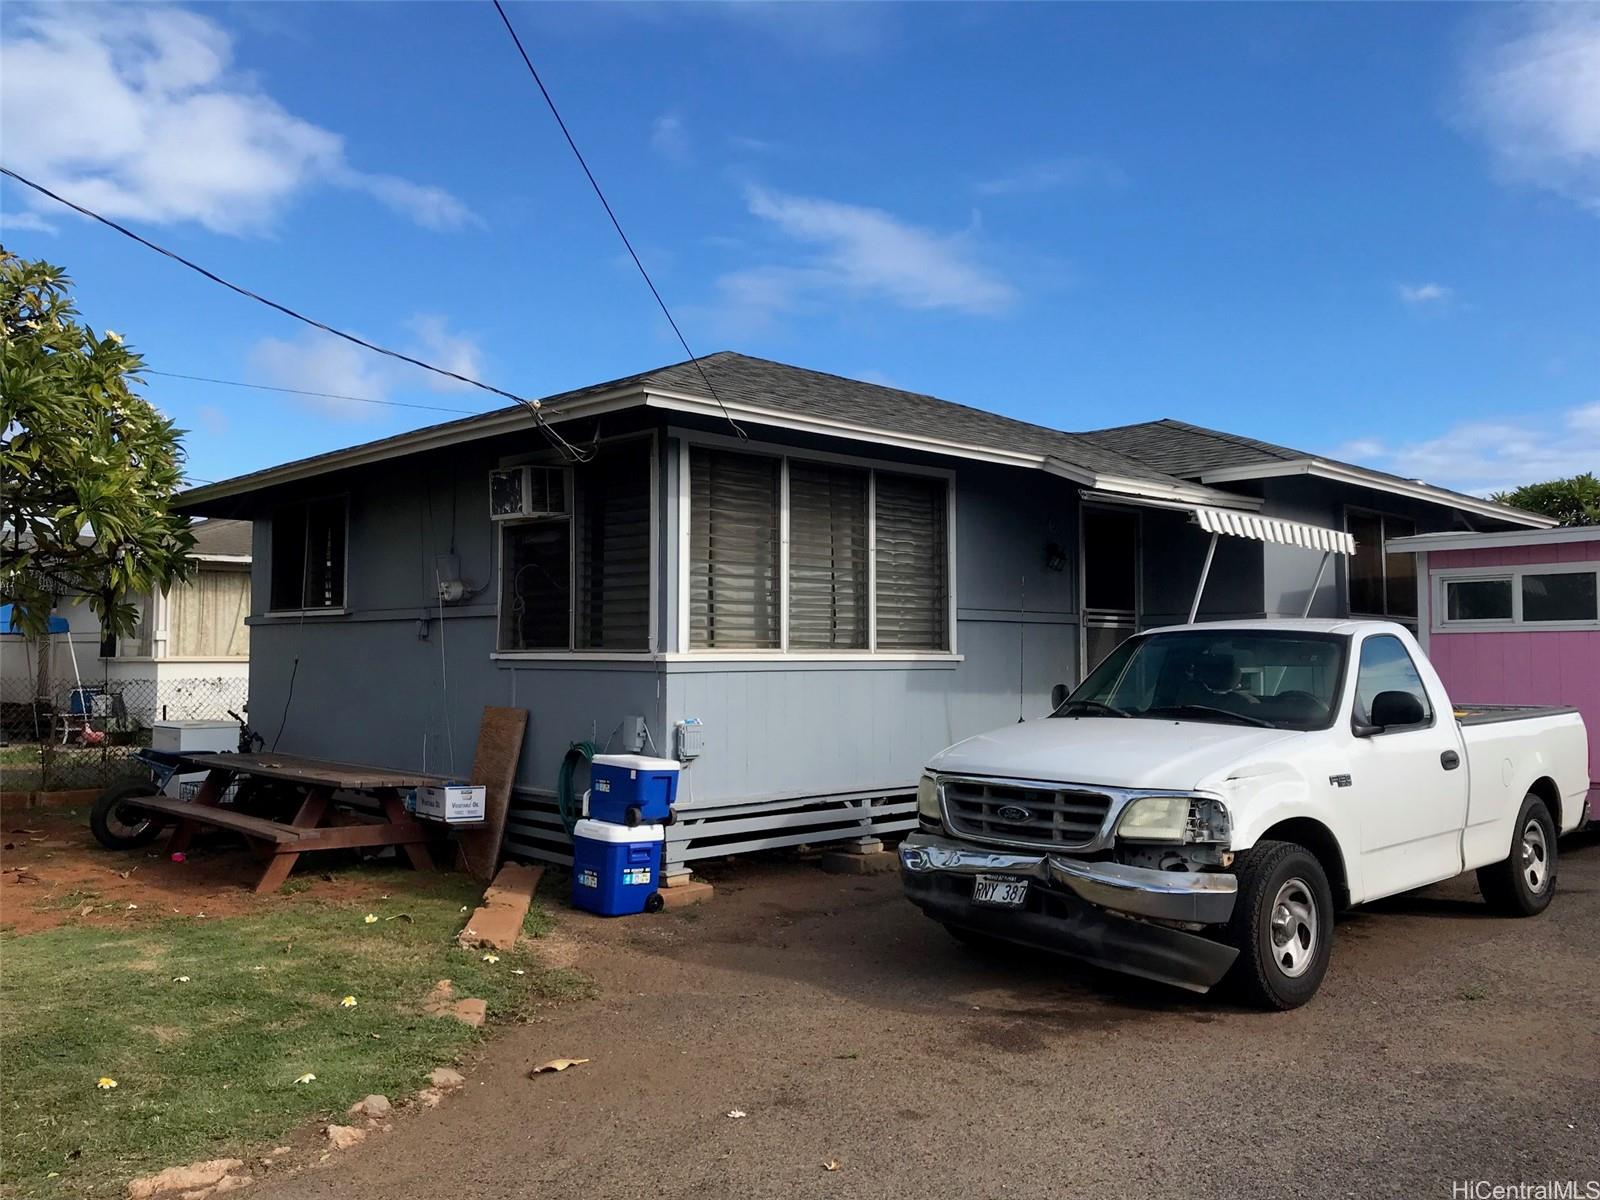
{"x":1055,"y":816}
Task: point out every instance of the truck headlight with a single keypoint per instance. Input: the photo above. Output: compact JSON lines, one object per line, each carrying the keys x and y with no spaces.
{"x":1175,"y":819}
{"x":928,"y":799}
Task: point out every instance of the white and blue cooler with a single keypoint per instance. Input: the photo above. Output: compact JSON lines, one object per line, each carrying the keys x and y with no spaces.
{"x":632,"y":789}
{"x":616,"y":869}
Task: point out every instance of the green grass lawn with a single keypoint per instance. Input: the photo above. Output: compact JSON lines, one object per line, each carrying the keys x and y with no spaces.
{"x":207,"y":1067}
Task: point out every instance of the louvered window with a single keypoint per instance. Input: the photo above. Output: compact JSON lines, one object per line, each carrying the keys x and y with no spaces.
{"x":308,"y":555}
{"x":613,"y":560}
{"x":827,"y":557}
{"x":583,"y":582}
{"x":733,"y":550}
{"x":743,"y":545}
{"x":912,"y":596}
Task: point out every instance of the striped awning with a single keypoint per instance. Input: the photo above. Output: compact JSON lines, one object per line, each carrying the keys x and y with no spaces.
{"x":1271,"y":529}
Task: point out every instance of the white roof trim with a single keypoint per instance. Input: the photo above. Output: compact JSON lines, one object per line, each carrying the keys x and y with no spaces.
{"x":1423,"y":542}
{"x":1106,"y":495}
{"x":1381,"y":483}
{"x":1271,"y":529}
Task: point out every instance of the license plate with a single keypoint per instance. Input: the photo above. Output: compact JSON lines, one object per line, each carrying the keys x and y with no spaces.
{"x":1003,"y":891}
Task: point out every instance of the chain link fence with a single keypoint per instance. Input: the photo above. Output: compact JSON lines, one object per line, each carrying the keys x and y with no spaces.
{"x":84,"y":736}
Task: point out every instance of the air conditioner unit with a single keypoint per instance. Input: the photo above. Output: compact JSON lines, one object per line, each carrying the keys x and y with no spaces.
{"x":516,"y":492}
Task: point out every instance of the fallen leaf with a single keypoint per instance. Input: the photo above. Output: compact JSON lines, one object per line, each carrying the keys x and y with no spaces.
{"x":831,"y":1165}
{"x":348,"y":1002}
{"x":370,"y":919}
{"x":464,"y":908}
{"x":106,"y":1083}
{"x":491,"y":958}
{"x":558,"y":1064}
{"x":737,"y":1114}
{"x":180,"y":979}
{"x":406,"y":917}
{"x":518,"y":971}
{"x":306,"y":1078}
{"x":131,"y":907}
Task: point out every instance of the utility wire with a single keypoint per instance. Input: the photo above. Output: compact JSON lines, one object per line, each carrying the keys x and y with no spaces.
{"x":532,"y":406}
{"x":264,"y":387}
{"x":616,"y":224}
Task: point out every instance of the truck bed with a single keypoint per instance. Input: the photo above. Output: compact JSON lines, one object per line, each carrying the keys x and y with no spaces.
{"x":1495,"y":714}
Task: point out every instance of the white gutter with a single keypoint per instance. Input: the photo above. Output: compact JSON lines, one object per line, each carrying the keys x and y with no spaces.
{"x":1423,"y":542}
{"x":1357,"y":477}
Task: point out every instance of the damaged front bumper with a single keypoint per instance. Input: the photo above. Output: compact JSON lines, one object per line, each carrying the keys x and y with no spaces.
{"x":1101,"y":912}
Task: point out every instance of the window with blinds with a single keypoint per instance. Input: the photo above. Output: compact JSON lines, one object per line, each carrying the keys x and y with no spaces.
{"x":827,"y":557}
{"x":582,"y":582}
{"x":835,"y":515}
{"x":912,"y":595}
{"x":733,"y":550}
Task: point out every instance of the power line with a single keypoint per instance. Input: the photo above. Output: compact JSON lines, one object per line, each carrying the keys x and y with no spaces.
{"x":264,"y":387}
{"x":616,"y":224}
{"x":533,"y":406}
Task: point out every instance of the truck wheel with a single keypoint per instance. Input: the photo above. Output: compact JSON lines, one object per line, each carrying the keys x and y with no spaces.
{"x":117,"y":827}
{"x":1282,"y":925}
{"x":1524,"y":884}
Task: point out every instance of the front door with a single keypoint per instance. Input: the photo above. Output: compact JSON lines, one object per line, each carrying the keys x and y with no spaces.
{"x":1411,"y":803}
{"x":1110,"y":581}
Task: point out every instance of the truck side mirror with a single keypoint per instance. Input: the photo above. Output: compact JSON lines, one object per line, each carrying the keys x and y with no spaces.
{"x":1058,"y":696}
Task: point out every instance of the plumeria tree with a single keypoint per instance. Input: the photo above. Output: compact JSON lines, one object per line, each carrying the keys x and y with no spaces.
{"x":1572,"y":501}
{"x":88,"y":469}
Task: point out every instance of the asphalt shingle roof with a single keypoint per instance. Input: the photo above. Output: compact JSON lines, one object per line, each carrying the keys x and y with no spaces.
{"x":1188,"y":450}
{"x":219,"y":536}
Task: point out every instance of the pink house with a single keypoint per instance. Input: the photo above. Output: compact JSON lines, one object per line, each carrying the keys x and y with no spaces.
{"x":1514,"y":618}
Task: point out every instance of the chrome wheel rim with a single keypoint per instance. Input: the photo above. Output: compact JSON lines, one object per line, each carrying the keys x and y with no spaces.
{"x":1293,"y":929}
{"x":1535,"y":857}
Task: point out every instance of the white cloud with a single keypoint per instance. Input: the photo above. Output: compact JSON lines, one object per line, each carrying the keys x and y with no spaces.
{"x":1054,"y":174}
{"x":137,"y":112}
{"x":313,"y":361}
{"x":1421,"y":294}
{"x":1489,"y":456}
{"x":851,"y":250}
{"x":1531,"y":90}
{"x":669,"y":138}
{"x":29,"y":222}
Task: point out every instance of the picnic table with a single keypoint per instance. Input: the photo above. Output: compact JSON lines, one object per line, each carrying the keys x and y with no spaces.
{"x":312,"y":784}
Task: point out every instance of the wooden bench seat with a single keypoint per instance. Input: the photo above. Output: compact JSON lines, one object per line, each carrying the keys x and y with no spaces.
{"x":220,"y":818}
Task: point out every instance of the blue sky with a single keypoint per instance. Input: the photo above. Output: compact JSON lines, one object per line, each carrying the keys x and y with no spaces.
{"x":1365,"y":230}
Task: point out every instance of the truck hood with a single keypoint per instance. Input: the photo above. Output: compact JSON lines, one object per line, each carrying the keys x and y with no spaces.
{"x":1131,"y":752}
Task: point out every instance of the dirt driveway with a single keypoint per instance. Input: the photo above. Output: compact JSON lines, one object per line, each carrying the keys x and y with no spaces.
{"x":1446,"y":1045}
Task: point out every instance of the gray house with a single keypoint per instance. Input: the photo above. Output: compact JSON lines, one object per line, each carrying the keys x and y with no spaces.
{"x":802,"y":585}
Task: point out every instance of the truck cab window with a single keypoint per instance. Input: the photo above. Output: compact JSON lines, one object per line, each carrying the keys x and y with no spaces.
{"x":1386,"y":667}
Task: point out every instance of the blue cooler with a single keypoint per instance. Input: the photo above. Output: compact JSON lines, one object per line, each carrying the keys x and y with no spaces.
{"x":616,"y":870}
{"x":631,"y":789}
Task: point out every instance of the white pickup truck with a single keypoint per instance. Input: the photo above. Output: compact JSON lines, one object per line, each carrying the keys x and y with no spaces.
{"x":1208,"y":799}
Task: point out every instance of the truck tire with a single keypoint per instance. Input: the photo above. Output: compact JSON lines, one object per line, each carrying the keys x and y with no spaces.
{"x":1282,"y":925}
{"x":1525,"y":882}
{"x":119,"y":828}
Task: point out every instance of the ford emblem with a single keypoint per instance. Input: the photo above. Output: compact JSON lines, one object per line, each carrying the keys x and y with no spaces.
{"x":1015,"y":814}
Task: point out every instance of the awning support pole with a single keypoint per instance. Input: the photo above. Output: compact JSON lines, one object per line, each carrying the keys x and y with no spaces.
{"x":1205,"y":573}
{"x":1311,"y":596}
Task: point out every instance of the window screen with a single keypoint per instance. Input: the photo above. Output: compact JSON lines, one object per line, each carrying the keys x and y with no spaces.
{"x":1478,"y":600}
{"x":913,"y":588}
{"x":613,"y":549}
{"x":733,"y":550}
{"x":827,"y":557}
{"x":308,"y":555}
{"x":536,"y":585}
{"x":1560,"y":596}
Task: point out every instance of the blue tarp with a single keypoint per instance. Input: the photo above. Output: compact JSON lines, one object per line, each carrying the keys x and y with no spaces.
{"x":8,"y":622}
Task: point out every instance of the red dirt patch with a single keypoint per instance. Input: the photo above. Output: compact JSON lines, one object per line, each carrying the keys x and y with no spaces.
{"x":53,"y":871}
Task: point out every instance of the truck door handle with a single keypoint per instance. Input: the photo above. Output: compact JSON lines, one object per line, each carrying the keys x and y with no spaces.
{"x":1449,"y":760}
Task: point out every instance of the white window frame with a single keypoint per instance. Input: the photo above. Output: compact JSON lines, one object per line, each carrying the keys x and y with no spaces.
{"x":687,"y":441}
{"x":1441,"y":577}
{"x":341,"y":610}
{"x":649,"y":652}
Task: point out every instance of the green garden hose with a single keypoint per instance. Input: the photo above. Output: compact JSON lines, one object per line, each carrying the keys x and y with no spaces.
{"x":568,"y":802}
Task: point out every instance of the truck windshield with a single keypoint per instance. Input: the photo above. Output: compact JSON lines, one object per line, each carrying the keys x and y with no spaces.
{"x":1268,"y":677}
